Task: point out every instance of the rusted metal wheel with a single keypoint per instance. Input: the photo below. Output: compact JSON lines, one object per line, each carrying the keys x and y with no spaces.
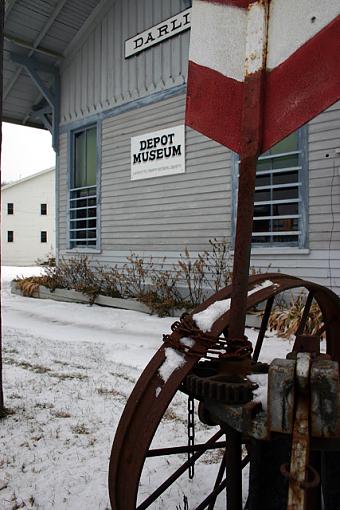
{"x":152,"y":394}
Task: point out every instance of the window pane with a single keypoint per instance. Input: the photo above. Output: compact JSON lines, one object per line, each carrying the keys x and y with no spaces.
{"x":262,"y":196}
{"x":261,"y":226}
{"x":43,"y":236}
{"x":261,"y":239}
{"x":262,"y":210}
{"x":285,"y":225}
{"x":10,"y":236}
{"x":265,"y":164}
{"x":286,"y":239}
{"x":286,"y":177}
{"x":286,"y":161}
{"x":285,"y":209}
{"x":91,"y":156}
{"x":288,"y":144}
{"x":10,"y":208}
{"x":43,"y":209}
{"x":285,"y":193}
{"x":262,"y":180}
{"x":79,"y":160}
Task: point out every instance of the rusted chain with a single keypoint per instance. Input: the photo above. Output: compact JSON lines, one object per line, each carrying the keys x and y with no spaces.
{"x":186,"y":327}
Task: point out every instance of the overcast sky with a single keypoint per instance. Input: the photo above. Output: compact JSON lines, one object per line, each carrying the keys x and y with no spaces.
{"x":25,"y":151}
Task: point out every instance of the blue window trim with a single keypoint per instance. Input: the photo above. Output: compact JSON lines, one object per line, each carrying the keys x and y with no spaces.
{"x":70,"y":162}
{"x":303,"y":239}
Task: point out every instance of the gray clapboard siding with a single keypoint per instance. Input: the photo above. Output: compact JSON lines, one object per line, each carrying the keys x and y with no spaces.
{"x":95,"y":74}
{"x":322,"y":263}
{"x":135,"y":217}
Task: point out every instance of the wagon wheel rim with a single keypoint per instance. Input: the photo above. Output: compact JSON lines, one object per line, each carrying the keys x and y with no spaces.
{"x":152,"y":395}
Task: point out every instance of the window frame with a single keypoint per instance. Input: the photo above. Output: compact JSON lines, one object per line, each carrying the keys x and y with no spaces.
{"x":71,"y":169}
{"x":10,"y":210}
{"x":303,"y":194}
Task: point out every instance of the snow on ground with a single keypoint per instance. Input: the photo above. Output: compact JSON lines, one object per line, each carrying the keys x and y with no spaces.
{"x":68,"y":371}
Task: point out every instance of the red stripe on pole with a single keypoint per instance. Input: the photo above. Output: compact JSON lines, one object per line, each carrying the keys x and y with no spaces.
{"x":214,"y":105}
{"x":236,"y":3}
{"x":304,"y":85}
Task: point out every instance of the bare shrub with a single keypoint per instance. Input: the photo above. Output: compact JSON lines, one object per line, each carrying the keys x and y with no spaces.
{"x":193,"y":272}
{"x":218,"y":264}
{"x":134,"y":276}
{"x":162,"y":295}
{"x":110,"y":281}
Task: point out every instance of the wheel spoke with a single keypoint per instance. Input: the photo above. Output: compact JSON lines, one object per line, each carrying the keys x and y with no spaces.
{"x":217,"y":490}
{"x":263,"y":328}
{"x":234,"y":470}
{"x":174,"y":450}
{"x":162,"y":488}
{"x":305,"y":314}
{"x":218,"y":480}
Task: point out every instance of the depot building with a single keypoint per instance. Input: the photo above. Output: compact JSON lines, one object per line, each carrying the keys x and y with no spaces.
{"x":108,"y":79}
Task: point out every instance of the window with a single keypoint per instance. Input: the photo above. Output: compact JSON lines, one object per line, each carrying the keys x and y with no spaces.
{"x":10,"y":208}
{"x":10,"y":236}
{"x":43,"y":236}
{"x":280,"y":194}
{"x":83,"y":192}
{"x":43,"y":209}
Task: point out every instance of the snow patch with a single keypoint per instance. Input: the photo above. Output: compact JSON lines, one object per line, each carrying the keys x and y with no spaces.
{"x":173,"y":361}
{"x":187,"y":342}
{"x":260,"y":395}
{"x":158,"y":390}
{"x":205,"y":319}
{"x":263,"y":285}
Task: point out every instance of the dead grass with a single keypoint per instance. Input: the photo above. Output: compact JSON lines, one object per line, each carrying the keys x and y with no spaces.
{"x":63,"y":376}
{"x":213,"y":456}
{"x":285,"y":319}
{"x":125,"y":377}
{"x":109,"y":392}
{"x":26,"y":365}
{"x":80,"y":429}
{"x":40,"y":369}
{"x":61,"y":414}
{"x":170,"y":415}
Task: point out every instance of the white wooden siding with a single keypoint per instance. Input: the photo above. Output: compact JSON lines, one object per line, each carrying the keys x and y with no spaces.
{"x":97,"y":77}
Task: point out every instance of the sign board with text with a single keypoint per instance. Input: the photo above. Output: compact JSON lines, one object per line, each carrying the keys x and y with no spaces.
{"x":158,"y":154}
{"x":158,"y":33}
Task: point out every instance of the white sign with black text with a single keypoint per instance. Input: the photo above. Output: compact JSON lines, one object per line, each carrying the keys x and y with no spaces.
{"x":159,"y":153}
{"x":158,"y":33}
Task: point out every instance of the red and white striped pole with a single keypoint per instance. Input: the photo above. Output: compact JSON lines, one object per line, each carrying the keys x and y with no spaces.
{"x":251,"y":144}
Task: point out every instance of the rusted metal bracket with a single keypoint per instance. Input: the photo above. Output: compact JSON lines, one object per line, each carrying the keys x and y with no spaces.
{"x":301,"y":435}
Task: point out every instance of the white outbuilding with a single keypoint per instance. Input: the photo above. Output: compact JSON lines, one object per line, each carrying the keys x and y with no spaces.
{"x":28,"y":219}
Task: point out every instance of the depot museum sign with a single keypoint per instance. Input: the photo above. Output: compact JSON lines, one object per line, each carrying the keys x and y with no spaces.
{"x":159,"y":153}
{"x":158,"y":33}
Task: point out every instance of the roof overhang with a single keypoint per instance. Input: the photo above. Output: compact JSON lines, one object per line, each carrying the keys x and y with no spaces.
{"x":37,"y":35}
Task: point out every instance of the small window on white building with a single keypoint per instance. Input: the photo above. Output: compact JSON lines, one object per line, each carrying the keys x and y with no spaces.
{"x":43,"y":209}
{"x":10,"y":236}
{"x":43,"y":236}
{"x":83,"y":192}
{"x":10,"y":208}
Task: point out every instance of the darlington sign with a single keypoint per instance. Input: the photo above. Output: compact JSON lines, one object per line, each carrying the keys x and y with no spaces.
{"x":157,"y":154}
{"x":158,"y":33}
